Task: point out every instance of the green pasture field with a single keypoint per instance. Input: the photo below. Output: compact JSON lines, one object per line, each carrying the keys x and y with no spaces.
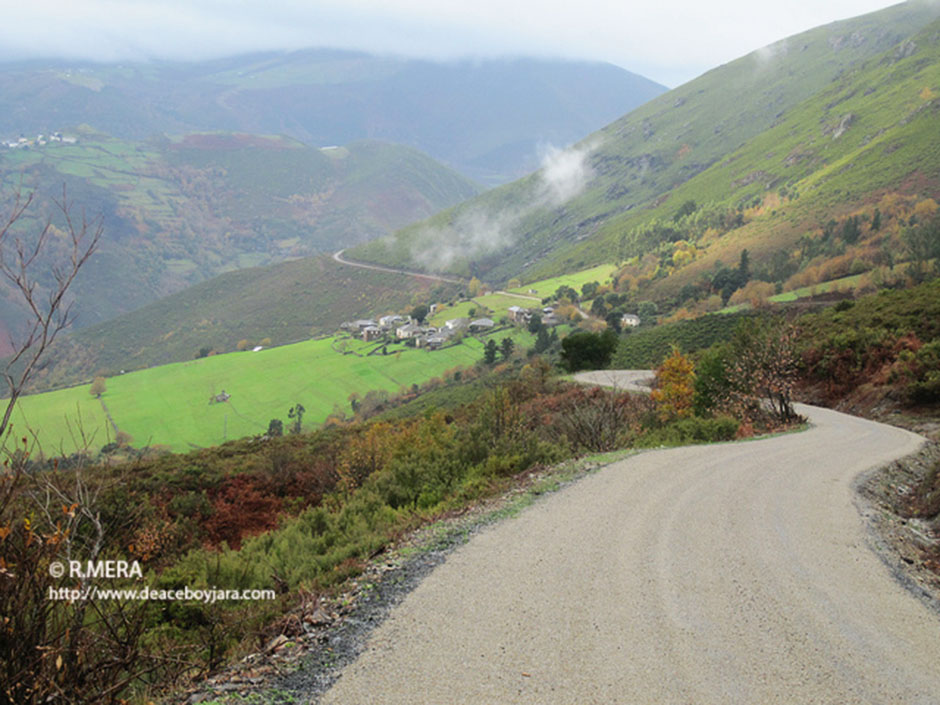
{"x":499,"y":304}
{"x":576,"y":280}
{"x":170,"y":405}
{"x":460,"y":310}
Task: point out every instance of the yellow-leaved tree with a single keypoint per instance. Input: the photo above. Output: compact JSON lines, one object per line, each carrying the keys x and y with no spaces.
{"x":674,"y":389}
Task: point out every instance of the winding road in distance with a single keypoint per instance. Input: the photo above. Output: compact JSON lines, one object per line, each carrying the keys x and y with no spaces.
{"x":720,"y":574}
{"x":338,"y":256}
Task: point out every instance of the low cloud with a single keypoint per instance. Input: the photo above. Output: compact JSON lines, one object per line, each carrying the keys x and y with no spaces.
{"x":564,"y":174}
{"x":767,"y":54}
{"x":482,"y":229}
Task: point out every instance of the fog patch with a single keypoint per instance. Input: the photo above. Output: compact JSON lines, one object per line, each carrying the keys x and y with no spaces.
{"x":565,"y":173}
{"x":771,"y":52}
{"x":478,"y":230}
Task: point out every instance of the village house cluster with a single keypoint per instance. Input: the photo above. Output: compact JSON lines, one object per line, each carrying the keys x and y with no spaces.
{"x":39,"y":141}
{"x":405,"y":328}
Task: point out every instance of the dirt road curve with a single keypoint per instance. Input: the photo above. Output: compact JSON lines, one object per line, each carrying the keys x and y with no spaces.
{"x":734,"y":573}
{"x":338,"y":256}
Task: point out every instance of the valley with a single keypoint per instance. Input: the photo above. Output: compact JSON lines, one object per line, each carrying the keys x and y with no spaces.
{"x":477,"y":369}
{"x":178,"y":211}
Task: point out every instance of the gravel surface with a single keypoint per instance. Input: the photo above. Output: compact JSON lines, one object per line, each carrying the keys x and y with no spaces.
{"x":627,"y":380}
{"x":732,"y":573}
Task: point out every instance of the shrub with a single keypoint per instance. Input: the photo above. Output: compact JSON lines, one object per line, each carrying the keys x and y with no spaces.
{"x":691,"y":430}
{"x":583,"y":350}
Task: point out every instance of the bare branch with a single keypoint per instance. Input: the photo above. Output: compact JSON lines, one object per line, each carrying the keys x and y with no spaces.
{"x":49,"y":315}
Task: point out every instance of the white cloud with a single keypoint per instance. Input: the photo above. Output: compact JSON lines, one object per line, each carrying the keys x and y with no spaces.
{"x":477,"y":231}
{"x":668,"y":41}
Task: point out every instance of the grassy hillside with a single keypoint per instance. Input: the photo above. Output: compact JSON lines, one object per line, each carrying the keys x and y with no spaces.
{"x":825,"y":119}
{"x":169,"y":405}
{"x":178,"y":211}
{"x":277,"y":304}
{"x":486,"y":118}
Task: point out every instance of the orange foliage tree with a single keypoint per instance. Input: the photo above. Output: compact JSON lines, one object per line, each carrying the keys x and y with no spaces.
{"x":675,"y":387}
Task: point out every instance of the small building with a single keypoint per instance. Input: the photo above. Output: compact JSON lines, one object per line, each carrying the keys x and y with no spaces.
{"x":551,"y":320}
{"x":457,"y":323}
{"x":357,"y":326}
{"x":519,"y":314}
{"x":409,"y":330}
{"x":436,"y":341}
{"x":630,"y":319}
{"x":481,"y":324}
{"x":370,"y":333}
{"x":392,"y":320}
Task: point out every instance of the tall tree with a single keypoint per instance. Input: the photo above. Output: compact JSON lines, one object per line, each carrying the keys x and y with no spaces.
{"x":506,"y":347}
{"x":490,"y":351}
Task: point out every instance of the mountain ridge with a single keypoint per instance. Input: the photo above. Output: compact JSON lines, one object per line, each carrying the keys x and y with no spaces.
{"x":636,"y":162}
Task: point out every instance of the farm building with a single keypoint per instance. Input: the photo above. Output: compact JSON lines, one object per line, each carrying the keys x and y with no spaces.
{"x":481,"y":324}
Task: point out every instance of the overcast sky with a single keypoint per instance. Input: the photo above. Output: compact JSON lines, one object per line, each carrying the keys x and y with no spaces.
{"x":670,"y":41}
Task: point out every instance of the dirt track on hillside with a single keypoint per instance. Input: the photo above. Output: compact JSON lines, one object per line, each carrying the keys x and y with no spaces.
{"x":734,"y":573}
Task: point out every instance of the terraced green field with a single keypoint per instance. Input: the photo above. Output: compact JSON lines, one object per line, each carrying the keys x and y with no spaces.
{"x":575,"y":280}
{"x":169,"y":405}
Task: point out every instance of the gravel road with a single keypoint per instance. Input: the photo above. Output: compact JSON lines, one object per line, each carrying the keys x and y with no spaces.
{"x":731,"y":573}
{"x":627,"y":380}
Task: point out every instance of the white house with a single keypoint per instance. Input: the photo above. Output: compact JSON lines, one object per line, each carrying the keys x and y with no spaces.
{"x":457,"y":323}
{"x":630,"y":319}
{"x":392,"y":320}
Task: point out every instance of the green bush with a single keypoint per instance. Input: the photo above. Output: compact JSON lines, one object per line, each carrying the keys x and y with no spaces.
{"x":691,"y":430}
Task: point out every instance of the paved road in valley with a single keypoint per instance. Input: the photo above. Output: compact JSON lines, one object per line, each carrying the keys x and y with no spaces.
{"x":731,"y":573}
{"x":338,"y":256}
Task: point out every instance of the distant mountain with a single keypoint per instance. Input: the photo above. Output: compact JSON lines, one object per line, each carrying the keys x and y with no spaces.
{"x":489,"y":119}
{"x":182,"y":210}
{"x":804,"y":131}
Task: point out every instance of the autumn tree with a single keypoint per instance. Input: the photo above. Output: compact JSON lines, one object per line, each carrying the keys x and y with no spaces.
{"x":98,"y":387}
{"x":762,"y":370}
{"x":674,"y":390}
{"x":475,"y":287}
